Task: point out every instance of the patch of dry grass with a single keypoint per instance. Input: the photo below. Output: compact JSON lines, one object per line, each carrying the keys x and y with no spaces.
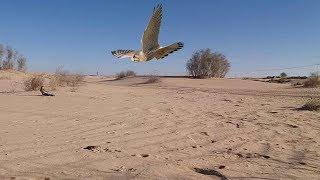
{"x":33,"y":83}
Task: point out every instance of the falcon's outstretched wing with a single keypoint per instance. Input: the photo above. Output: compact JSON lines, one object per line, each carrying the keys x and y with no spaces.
{"x":150,"y":36}
{"x":165,"y":51}
{"x":123,"y":53}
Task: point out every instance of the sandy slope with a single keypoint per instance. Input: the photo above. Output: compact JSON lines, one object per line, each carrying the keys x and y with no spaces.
{"x":237,"y":129}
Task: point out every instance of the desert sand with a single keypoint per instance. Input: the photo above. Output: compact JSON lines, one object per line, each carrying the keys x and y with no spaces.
{"x":178,"y":128}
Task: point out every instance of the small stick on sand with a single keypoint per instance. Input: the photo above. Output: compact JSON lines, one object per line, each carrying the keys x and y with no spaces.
{"x":193,"y":141}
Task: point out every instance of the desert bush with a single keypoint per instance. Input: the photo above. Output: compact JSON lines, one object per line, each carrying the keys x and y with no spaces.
{"x":127,"y":73}
{"x":22,"y":63}
{"x":311,"y":105}
{"x":152,"y":79}
{"x":312,"y":81}
{"x":33,"y":83}
{"x":53,"y":82}
{"x":280,"y":80}
{"x":206,"y":64}
{"x":65,"y":78}
{"x":75,"y":79}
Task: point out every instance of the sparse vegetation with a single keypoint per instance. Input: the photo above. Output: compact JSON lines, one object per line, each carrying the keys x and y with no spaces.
{"x":22,"y":63}
{"x":279,"y":80}
{"x":152,"y":79}
{"x":9,"y":57}
{"x":65,"y":78}
{"x":297,"y":83}
{"x":8,"y":63}
{"x":124,"y":74}
{"x":311,"y":105}
{"x":34,"y":82}
{"x":312,"y":81}
{"x":207,"y":64}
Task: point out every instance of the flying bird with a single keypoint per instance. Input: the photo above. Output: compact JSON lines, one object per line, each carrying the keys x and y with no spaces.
{"x":150,"y":44}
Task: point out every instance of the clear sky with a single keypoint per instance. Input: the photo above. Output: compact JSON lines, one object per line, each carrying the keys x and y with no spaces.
{"x":79,"y":34}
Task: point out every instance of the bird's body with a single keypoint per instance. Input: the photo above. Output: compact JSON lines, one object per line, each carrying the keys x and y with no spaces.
{"x":44,"y":93}
{"x":150,"y":46}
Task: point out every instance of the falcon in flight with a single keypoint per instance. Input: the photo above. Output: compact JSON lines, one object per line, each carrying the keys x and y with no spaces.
{"x":150,"y":45}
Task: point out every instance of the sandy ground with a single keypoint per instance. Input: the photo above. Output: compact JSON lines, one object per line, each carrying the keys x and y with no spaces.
{"x":175,"y":129}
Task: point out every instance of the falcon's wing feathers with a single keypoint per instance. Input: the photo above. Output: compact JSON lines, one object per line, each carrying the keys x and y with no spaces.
{"x":123,"y":53}
{"x":165,"y":51}
{"x":150,"y":36}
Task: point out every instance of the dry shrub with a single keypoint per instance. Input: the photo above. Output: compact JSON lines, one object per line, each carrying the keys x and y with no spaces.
{"x":297,"y":83}
{"x":74,"y":80}
{"x":207,"y":64}
{"x":280,"y":80}
{"x":34,"y":83}
{"x":311,"y":105}
{"x":312,"y":81}
{"x":124,"y":74}
{"x":53,"y":82}
{"x":152,"y":79}
{"x":65,"y":78}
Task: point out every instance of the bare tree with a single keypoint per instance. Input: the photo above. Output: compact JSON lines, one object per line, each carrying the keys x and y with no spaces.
{"x":206,"y":64}
{"x":22,"y":63}
{"x":8,"y":63}
{"x":1,"y":55}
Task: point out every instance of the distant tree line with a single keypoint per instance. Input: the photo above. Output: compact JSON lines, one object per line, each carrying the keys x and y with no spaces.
{"x":12,"y":59}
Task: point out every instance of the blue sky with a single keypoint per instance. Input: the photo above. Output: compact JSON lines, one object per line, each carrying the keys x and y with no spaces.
{"x":79,"y":34}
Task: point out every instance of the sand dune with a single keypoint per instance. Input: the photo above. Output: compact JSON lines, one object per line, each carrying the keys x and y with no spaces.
{"x":176,"y":129}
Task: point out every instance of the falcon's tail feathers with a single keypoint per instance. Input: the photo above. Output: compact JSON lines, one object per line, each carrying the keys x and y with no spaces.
{"x":165,"y":51}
